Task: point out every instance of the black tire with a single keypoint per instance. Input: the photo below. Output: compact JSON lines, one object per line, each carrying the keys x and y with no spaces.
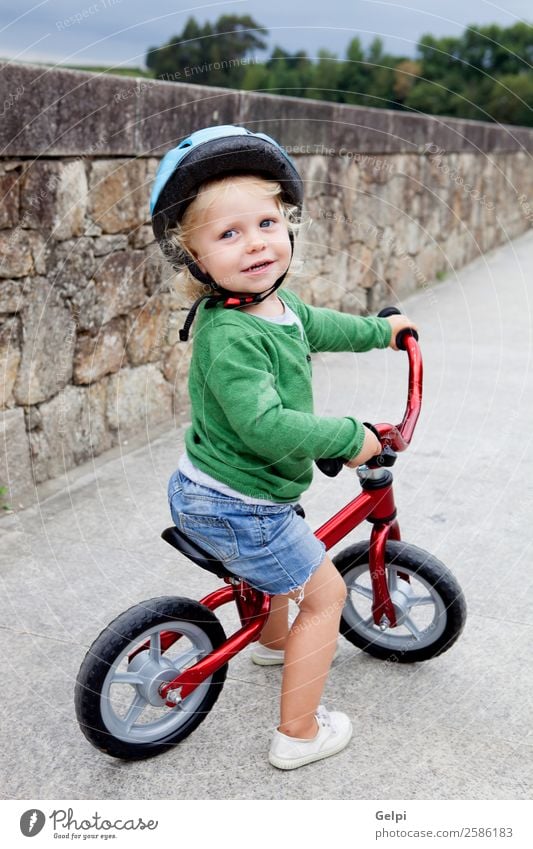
{"x":103,"y":715}
{"x":441,"y":609}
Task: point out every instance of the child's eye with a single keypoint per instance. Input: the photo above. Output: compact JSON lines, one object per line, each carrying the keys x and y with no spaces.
{"x":227,"y":234}
{"x":267,"y":222}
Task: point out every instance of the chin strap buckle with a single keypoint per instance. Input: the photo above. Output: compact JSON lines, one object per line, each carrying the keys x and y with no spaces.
{"x":238,"y":302}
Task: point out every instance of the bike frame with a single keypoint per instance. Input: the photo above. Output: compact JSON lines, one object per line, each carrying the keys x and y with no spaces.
{"x":375,"y":504}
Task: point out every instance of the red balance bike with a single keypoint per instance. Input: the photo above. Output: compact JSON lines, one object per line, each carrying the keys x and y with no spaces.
{"x":156,"y":671}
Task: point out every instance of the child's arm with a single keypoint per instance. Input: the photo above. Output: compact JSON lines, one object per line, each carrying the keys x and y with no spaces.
{"x":331,"y":330}
{"x":371,"y":446}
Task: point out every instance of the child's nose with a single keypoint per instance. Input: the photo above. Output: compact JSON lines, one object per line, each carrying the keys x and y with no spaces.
{"x":256,"y":242}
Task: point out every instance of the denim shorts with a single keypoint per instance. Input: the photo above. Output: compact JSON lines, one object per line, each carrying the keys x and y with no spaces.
{"x":270,"y":547}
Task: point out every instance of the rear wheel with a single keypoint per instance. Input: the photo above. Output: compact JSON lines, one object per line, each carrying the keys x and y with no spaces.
{"x":117,"y":699}
{"x":428,"y":601}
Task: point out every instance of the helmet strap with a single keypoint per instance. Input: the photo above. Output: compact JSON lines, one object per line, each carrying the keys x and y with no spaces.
{"x":230,"y":300}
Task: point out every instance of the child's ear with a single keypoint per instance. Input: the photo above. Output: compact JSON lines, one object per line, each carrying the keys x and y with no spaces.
{"x":200,"y":265}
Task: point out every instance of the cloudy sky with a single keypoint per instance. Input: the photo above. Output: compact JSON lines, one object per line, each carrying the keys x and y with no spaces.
{"x":118,"y":32}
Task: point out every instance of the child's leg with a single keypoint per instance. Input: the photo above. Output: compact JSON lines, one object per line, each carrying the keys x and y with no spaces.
{"x":274,"y":634}
{"x":309,"y":650}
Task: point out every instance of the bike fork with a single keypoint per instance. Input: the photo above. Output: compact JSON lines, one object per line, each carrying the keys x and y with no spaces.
{"x":378,"y":484}
{"x":382,"y":607}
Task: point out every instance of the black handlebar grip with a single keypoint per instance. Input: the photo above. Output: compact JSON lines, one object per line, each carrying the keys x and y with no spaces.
{"x":330,"y":466}
{"x":403,"y":334}
{"x":386,"y":311}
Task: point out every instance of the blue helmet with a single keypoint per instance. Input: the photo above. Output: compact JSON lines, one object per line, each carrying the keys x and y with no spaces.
{"x":206,"y":154}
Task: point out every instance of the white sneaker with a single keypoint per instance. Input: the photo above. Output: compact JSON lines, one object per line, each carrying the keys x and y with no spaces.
{"x":263,"y":656}
{"x":334,"y":733}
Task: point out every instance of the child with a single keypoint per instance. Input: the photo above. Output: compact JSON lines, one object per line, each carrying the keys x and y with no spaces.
{"x":225,"y":205}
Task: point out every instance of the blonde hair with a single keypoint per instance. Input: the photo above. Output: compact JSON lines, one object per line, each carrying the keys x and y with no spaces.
{"x":209,"y":192}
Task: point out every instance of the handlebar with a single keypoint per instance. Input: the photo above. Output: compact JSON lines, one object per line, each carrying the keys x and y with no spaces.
{"x":393,"y":437}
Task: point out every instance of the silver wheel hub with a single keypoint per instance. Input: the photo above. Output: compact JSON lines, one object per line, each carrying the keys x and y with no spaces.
{"x":154,"y":673}
{"x":402,"y":599}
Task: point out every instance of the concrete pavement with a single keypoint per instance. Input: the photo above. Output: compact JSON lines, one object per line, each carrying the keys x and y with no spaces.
{"x":453,"y":728}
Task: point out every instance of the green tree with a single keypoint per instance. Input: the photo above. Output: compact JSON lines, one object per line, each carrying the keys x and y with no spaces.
{"x":353,"y":74}
{"x":380,"y":85}
{"x":325,"y":82}
{"x":289,"y":74}
{"x":211,"y":54}
{"x":467,"y":76}
{"x":511,"y":100}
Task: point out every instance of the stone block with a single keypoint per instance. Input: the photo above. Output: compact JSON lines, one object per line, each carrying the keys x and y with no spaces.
{"x":118,"y":194}
{"x":10,"y":354}
{"x":117,"y":288}
{"x":9,"y":192}
{"x":71,"y":429}
{"x":143,"y":236}
{"x":103,"y":245}
{"x":429,"y":261}
{"x":12,"y":295}
{"x":360,"y":272}
{"x":16,"y":256}
{"x":54,"y":197}
{"x":174,"y":322}
{"x":96,"y":356}
{"x":70,"y":264}
{"x":146,"y":332}
{"x":400,"y":275}
{"x":155,"y":272}
{"x":137,"y":399}
{"x":49,"y":334}
{"x":15,"y":462}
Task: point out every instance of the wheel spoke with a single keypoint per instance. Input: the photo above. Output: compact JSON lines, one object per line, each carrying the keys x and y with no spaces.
{"x":134,"y":711}
{"x":185,"y":658}
{"x":411,"y":627}
{"x":360,"y":590}
{"x":419,"y":600}
{"x":393,"y":580}
{"x":126,"y":678}
{"x":155,"y":646}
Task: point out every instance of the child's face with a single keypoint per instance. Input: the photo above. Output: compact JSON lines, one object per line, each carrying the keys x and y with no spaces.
{"x":241,"y":229}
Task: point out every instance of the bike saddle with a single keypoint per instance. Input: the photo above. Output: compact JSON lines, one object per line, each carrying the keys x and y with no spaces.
{"x":193,"y":551}
{"x":198,"y":555}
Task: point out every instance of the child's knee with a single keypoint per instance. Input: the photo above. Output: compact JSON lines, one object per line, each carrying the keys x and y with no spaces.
{"x":325,"y":589}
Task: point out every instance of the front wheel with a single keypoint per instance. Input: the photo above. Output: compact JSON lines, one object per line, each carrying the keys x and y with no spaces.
{"x":428,"y":601}
{"x":117,"y":699}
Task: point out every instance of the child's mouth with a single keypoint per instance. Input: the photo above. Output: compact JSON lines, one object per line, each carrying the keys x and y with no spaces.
{"x":258,"y":267}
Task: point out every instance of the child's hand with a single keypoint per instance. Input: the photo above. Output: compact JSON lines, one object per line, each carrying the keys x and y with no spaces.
{"x":371,"y":446}
{"x":397,"y":323}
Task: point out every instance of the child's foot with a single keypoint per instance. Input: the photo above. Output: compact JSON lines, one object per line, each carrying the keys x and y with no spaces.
{"x":263,"y":656}
{"x":334,"y":733}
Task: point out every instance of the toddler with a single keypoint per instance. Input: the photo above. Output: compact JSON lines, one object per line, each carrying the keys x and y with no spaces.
{"x":225,"y":206}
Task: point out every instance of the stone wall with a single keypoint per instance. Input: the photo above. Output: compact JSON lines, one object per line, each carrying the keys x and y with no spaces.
{"x":89,"y":353}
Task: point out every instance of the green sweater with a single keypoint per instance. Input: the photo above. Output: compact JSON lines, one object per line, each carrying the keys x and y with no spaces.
{"x":253,"y":426}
